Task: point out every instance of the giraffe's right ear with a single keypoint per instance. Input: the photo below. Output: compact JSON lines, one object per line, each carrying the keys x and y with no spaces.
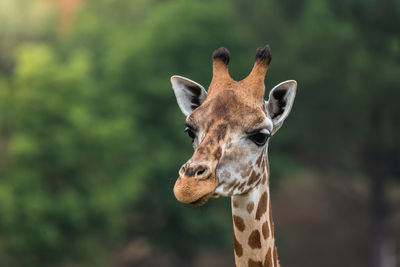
{"x":189,"y":94}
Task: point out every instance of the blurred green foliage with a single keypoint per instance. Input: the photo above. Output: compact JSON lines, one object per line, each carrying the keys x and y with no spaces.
{"x":91,"y":136}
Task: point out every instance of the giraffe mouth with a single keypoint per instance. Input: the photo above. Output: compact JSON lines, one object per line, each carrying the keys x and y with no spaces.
{"x":194,"y":191}
{"x":202,"y":200}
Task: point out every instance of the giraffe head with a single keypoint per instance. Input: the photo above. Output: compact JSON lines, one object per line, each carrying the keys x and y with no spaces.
{"x":230,"y":127}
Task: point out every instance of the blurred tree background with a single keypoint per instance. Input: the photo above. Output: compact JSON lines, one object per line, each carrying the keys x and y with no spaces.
{"x":91,"y":136}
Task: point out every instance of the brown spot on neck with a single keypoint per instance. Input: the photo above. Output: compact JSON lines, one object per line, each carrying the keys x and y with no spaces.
{"x":255,"y":263}
{"x":262,"y":205}
{"x":255,"y":239}
{"x":235,"y":204}
{"x":265,"y":230}
{"x":253,"y":178}
{"x":239,"y":223}
{"x":268,"y":259}
{"x":250,"y":206}
{"x":237,"y":247}
{"x":264,"y":179}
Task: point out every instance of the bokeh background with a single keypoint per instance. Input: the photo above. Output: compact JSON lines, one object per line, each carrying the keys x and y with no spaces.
{"x":91,"y":137}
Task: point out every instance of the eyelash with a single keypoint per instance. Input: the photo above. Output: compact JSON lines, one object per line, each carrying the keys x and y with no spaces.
{"x":190,"y":132}
{"x":260,"y":138}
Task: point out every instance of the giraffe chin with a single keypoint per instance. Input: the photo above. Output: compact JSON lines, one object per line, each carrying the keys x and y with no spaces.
{"x":201,"y":201}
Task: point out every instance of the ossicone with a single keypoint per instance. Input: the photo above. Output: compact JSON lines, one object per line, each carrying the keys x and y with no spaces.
{"x":221,"y":75}
{"x":263,"y":54}
{"x":222,"y":54}
{"x":254,"y":82}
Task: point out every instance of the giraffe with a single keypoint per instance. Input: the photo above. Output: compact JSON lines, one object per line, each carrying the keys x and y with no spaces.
{"x":230,"y":127}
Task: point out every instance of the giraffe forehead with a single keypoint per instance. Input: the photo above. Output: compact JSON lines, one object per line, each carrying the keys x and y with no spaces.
{"x":227,"y":108}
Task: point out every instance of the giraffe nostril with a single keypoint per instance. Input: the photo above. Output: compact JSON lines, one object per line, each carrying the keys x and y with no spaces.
{"x":200,"y":172}
{"x":197,"y":171}
{"x":182,"y":171}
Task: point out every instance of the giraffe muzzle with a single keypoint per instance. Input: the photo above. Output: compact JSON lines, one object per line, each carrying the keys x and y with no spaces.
{"x":195,"y":185}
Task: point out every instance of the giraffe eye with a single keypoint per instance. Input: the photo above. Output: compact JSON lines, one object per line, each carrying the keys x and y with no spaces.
{"x":190,"y":132}
{"x":260,"y":138}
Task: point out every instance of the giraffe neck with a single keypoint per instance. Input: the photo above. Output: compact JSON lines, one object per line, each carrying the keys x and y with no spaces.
{"x":254,"y":241}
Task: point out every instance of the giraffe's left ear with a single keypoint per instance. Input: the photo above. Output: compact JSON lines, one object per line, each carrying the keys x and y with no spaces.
{"x":280,"y":102}
{"x":189,"y":94}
